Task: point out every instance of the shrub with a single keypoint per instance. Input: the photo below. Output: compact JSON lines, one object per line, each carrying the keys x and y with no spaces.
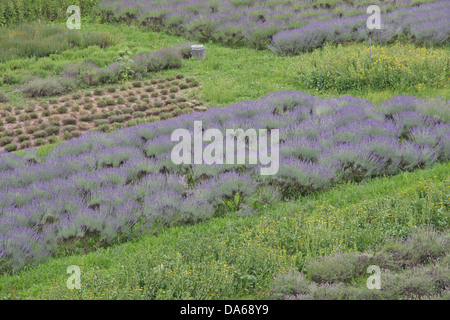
{"x":23,"y":117}
{"x":26,"y":144}
{"x":110,"y":102}
{"x":23,"y":137}
{"x":30,"y":109}
{"x":99,"y":122}
{"x":53,"y":139}
{"x":39,"y":142}
{"x":291,"y":283}
{"x":69,"y":128}
{"x":62,"y":109}
{"x":158,"y":104}
{"x":139,"y":114}
{"x":164,"y":115}
{"x":127,"y":110}
{"x":117,"y":119}
{"x":177,"y":112}
{"x":137,"y":84}
{"x":101,"y":104}
{"x":103,"y":127}
{"x":421,"y":247}
{"x":194,"y":83}
{"x":11,"y":147}
{"x":40,"y":134}
{"x":46,"y":113}
{"x":52,"y":130}
{"x":70,"y":120}
{"x":338,"y":268}
{"x":3,"y":98}
{"x":34,"y":115}
{"x":98,"y":92}
{"x":75,"y":133}
{"x":30,"y":129}
{"x":10,"y":119}
{"x":5,"y":140}
{"x":48,"y":87}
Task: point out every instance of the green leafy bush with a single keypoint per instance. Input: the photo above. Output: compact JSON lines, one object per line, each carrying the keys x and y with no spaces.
{"x":5,"y":140}
{"x":40,"y":134}
{"x":10,"y":119}
{"x":11,"y":147}
{"x":48,"y":87}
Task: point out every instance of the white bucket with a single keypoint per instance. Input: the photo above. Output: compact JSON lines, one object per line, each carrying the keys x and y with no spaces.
{"x":198,"y":51}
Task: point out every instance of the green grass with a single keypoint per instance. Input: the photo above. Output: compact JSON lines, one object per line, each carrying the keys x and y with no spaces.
{"x":238,"y":257}
{"x":235,"y":257}
{"x":226,"y":75}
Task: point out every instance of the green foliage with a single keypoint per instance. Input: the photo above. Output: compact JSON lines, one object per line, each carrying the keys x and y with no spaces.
{"x":18,"y":11}
{"x":239,"y":257}
{"x":401,"y":67}
{"x":37,"y":41}
{"x":11,"y":147}
{"x":126,"y":62}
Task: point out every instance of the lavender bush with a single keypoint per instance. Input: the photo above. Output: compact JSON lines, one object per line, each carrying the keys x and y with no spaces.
{"x":87,"y":73}
{"x":422,"y":25}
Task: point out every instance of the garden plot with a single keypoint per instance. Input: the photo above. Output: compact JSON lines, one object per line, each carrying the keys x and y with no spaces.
{"x":103,"y":109}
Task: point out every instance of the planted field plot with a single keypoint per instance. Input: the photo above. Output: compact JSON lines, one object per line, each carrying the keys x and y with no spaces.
{"x":69,"y":116}
{"x":102,"y":188}
{"x":311,"y":24}
{"x":318,"y":168}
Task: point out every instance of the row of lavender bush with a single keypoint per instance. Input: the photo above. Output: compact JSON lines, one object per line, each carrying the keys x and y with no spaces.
{"x":113,"y":186}
{"x":87,"y":73}
{"x":255,"y":22}
{"x":427,"y":24}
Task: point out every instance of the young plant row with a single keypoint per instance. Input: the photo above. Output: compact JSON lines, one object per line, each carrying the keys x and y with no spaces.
{"x":70,"y":116}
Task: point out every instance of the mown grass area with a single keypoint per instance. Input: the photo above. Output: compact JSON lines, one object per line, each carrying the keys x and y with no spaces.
{"x":239,"y":257}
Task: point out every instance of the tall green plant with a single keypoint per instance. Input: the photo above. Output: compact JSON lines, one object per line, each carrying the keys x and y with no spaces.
{"x":126,"y":62}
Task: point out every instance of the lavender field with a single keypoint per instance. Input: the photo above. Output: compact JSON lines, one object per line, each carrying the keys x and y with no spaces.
{"x":350,"y":170}
{"x":110,"y":186}
{"x":286,"y":27}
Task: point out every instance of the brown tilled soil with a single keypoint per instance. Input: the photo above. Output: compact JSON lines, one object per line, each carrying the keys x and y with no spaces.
{"x":105,"y":109}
